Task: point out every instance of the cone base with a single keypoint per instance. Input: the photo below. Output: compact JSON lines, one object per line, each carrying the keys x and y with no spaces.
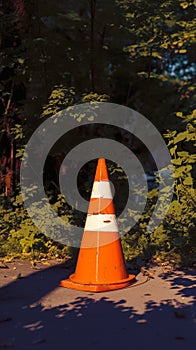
{"x":69,"y":283}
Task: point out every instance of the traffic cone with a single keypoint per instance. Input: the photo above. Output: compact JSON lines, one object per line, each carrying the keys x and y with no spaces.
{"x":100,"y":265}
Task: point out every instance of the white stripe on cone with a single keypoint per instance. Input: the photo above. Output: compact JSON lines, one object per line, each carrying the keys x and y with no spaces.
{"x":101,"y":189}
{"x":101,"y":222}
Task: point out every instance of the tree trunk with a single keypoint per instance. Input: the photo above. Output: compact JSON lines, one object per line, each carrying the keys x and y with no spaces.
{"x":92,"y":44}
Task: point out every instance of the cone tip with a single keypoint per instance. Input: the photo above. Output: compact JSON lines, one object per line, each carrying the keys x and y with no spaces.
{"x":101,"y":171}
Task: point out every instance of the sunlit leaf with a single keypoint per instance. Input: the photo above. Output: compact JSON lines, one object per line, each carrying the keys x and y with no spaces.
{"x":188,"y":181}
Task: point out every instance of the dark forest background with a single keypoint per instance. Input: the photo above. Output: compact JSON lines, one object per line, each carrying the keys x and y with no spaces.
{"x":140,"y":54}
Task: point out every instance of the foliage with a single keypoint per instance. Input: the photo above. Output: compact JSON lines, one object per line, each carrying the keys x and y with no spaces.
{"x":19,"y":236}
{"x":139,"y":54}
{"x":59,"y":99}
{"x":94,"y":97}
{"x":174,"y":240}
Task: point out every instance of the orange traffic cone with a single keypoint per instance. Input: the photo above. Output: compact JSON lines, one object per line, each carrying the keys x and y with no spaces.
{"x":100,"y":266}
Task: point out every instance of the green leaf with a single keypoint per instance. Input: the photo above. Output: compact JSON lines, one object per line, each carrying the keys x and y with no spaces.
{"x":181,"y":136}
{"x":157,"y":55}
{"x":21,"y":60}
{"x":177,"y":161}
{"x":173,"y":150}
{"x":183,"y":51}
{"x":183,"y":154}
{"x":188,"y":181}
